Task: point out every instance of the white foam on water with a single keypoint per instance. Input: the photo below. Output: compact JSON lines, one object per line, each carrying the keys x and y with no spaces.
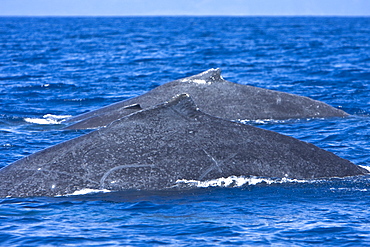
{"x":234,"y":181}
{"x":366,"y":168}
{"x":263,"y":121}
{"x":48,"y":119}
{"x":274,"y":121}
{"x":87,"y":191}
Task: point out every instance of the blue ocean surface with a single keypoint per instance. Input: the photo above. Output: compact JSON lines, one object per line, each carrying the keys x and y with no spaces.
{"x":52,"y":68}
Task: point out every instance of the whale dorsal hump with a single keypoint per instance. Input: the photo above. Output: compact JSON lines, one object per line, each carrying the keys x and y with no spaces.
{"x":184,"y":105}
{"x":207,"y":77}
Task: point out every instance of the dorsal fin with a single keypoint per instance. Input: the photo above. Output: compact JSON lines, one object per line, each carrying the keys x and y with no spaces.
{"x":184,"y":105}
{"x":206,"y":77}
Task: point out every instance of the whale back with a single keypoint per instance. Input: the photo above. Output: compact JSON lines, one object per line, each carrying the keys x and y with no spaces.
{"x":153,"y":149}
{"x":217,"y":97}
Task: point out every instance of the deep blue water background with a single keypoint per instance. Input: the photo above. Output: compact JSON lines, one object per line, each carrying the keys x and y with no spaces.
{"x":67,"y":66}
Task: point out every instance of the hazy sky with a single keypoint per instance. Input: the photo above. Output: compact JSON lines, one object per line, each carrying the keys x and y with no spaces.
{"x":185,"y":7}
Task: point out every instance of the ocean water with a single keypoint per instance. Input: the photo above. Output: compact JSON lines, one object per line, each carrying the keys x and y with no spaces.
{"x":53,"y":68}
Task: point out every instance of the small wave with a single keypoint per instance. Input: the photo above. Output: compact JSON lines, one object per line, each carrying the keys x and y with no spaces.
{"x":234,"y":181}
{"x":48,"y":119}
{"x":333,"y":189}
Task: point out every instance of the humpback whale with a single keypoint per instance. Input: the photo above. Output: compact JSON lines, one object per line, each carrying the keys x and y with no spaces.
{"x":217,"y":97}
{"x":154,"y":148}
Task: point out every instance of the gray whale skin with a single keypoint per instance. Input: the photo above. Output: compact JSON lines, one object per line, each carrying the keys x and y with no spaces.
{"x":154,"y":148}
{"x":217,"y":97}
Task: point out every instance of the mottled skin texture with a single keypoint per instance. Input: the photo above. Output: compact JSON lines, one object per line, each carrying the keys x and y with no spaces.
{"x":217,"y":97}
{"x":153,"y":148}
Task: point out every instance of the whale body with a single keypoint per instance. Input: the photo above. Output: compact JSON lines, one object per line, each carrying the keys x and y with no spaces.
{"x":217,"y":97}
{"x":155,"y":148}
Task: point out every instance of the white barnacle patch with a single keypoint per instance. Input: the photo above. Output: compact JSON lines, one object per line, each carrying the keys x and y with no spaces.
{"x":199,"y":81}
